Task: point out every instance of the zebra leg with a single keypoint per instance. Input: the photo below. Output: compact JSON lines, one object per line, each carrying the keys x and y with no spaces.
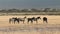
{"x":28,"y":22}
{"x":43,"y":21}
{"x":46,"y":22}
{"x":31,"y":22}
{"x":14,"y":21}
{"x":36,"y":21}
{"x":9,"y":21}
{"x":18,"y":22}
{"x":23,"y":22}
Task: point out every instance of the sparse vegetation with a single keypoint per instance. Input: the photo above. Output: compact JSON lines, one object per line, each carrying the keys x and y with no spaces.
{"x":46,"y":11}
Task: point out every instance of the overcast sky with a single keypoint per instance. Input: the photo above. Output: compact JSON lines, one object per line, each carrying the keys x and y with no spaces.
{"x":29,"y":4}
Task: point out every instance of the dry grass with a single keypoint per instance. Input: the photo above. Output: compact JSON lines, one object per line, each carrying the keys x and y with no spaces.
{"x":53,"y":26}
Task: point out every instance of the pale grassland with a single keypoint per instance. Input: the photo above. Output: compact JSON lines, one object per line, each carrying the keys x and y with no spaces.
{"x":52,"y":27}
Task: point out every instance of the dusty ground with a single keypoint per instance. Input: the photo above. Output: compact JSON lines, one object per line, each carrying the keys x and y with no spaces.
{"x":53,"y":26}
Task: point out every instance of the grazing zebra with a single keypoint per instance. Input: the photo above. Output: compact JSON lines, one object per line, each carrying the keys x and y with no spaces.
{"x":22,"y":19}
{"x":13,"y":20}
{"x":33,"y":19}
{"x":36,"y":19}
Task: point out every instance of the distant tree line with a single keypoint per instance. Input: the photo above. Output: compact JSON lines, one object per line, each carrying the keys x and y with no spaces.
{"x":30,"y":10}
{"x":33,"y":10}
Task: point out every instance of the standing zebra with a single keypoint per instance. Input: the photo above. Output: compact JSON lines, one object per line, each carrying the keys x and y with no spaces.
{"x":45,"y":19}
{"x":22,"y":19}
{"x":13,"y":20}
{"x":33,"y":19}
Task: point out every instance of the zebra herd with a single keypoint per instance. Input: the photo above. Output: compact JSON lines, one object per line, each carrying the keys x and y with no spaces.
{"x":15,"y":19}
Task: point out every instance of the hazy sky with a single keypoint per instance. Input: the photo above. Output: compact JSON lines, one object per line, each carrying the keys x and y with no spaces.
{"x":29,"y":4}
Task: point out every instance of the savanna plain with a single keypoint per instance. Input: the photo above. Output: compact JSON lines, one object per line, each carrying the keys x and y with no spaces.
{"x":52,"y":27}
